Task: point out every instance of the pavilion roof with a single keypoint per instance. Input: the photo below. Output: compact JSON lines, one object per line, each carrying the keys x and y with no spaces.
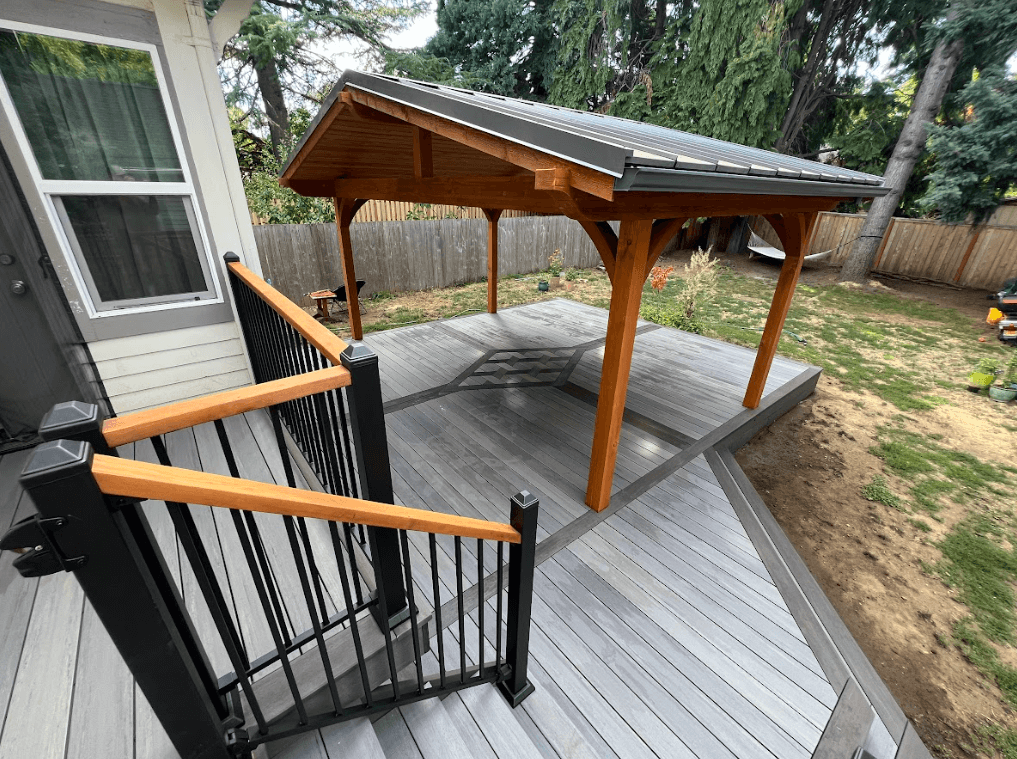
{"x":630,"y":156}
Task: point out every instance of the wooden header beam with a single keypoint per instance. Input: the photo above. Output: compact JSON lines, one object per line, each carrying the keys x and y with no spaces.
{"x":137,"y":479}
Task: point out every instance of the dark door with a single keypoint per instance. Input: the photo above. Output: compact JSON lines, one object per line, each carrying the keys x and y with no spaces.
{"x":34,"y":370}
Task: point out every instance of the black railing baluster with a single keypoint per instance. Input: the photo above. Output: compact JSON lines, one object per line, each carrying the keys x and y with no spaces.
{"x":432,"y":541}
{"x":354,"y":624}
{"x":462,"y":614}
{"x":305,"y":586}
{"x":354,"y":567}
{"x":480,"y":605}
{"x":498,"y":614}
{"x":415,"y":630}
{"x":270,"y":579}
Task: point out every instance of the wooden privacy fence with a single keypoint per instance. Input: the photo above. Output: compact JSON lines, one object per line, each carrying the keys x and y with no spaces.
{"x":979,"y":257}
{"x":391,"y":210}
{"x":415,"y":255}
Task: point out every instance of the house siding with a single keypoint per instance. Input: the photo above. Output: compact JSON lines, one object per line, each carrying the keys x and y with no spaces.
{"x":143,"y":371}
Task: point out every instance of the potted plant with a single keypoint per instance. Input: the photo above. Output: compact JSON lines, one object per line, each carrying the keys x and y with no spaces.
{"x":983,"y":375}
{"x":1006,"y":388}
{"x":554,"y":262}
{"x":571,"y":275}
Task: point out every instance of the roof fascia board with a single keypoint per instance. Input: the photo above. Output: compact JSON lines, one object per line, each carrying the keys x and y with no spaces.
{"x":676,"y":180}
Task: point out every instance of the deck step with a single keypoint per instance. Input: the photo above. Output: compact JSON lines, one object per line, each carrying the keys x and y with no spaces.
{"x":355,"y":738}
{"x":497,"y":721}
{"x":433,"y":731}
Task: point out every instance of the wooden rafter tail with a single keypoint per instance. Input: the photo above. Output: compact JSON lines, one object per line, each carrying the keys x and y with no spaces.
{"x":316,"y":334}
{"x":137,"y":479}
{"x":793,"y":230}
{"x":140,"y":425}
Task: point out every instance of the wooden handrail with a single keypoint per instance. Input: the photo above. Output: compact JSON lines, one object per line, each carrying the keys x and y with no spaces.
{"x":317,"y":335}
{"x":137,"y":479}
{"x":177,"y":416}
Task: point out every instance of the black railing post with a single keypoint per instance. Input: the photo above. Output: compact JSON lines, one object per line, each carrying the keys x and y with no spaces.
{"x":94,"y":537}
{"x":522,"y":558}
{"x":370,"y":442}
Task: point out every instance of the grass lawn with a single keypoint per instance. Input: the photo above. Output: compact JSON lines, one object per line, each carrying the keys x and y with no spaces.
{"x":909,"y":493}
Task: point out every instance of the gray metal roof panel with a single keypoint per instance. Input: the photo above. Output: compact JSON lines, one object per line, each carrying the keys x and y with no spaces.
{"x":637,"y":154}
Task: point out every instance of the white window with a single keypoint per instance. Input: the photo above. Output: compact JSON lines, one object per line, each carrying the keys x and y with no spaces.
{"x":92,"y":116}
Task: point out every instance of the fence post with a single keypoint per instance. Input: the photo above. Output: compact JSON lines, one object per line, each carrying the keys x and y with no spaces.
{"x":370,"y":440}
{"x":522,"y":558}
{"x":93,"y":535}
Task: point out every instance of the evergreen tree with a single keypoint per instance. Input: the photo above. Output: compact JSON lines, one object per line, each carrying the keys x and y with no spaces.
{"x":976,"y":162}
{"x":974,"y":33}
{"x":272,"y":56}
{"x":501,"y":46}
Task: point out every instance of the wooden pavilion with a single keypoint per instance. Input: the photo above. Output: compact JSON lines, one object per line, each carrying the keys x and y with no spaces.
{"x":380,"y":137}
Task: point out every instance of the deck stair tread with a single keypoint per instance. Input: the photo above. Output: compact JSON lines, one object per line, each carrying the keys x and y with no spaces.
{"x":433,"y":731}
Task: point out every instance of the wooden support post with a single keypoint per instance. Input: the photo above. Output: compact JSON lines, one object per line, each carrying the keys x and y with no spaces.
{"x":629,"y":276}
{"x":345,"y":210}
{"x":793,"y":230}
{"x":492,"y":215}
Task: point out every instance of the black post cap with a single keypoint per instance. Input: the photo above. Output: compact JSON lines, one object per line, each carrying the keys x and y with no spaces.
{"x":357,"y":354}
{"x":231,"y":258}
{"x":71,"y":419}
{"x":55,"y":460}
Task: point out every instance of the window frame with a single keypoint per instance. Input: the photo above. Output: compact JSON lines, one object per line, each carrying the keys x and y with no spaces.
{"x":52,"y":189}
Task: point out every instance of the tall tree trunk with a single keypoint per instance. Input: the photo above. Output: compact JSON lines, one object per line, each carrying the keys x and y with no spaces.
{"x":906,"y":153}
{"x":275,"y":105}
{"x":795,"y":117}
{"x":660,"y":20}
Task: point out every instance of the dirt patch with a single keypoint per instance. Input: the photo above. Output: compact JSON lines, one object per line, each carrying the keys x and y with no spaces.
{"x":810,"y":467}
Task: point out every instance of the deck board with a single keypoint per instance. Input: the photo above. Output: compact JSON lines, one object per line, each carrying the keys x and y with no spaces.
{"x":658,"y":630}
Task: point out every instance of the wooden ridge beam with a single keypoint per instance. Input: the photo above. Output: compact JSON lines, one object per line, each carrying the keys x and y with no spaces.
{"x":318,"y":335}
{"x":137,"y":479}
{"x":140,"y":425}
{"x":596,"y":183}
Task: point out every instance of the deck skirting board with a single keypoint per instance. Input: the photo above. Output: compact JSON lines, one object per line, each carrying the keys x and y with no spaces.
{"x":836,"y":649}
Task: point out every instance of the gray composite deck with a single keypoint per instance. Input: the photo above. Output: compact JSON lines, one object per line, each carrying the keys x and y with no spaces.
{"x":676,"y":623}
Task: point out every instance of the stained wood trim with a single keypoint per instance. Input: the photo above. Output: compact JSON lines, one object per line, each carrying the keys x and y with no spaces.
{"x":664,"y":231}
{"x":137,"y":479}
{"x":666,"y":205}
{"x":312,"y":141}
{"x":605,"y":241}
{"x":316,"y":334}
{"x":492,"y":214}
{"x":176,"y":416}
{"x":793,"y":230}
{"x":423,"y":158}
{"x":589,"y":180}
{"x":345,"y":209}
{"x":486,"y":192}
{"x":626,"y":294}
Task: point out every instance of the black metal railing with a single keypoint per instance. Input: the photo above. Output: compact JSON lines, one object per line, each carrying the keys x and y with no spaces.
{"x":346,"y":665}
{"x":339,"y":613}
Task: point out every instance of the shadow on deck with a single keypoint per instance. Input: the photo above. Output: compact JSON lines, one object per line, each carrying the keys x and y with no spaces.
{"x":679,"y":622}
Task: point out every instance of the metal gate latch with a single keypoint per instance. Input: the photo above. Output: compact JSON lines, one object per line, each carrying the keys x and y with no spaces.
{"x":32,"y":537}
